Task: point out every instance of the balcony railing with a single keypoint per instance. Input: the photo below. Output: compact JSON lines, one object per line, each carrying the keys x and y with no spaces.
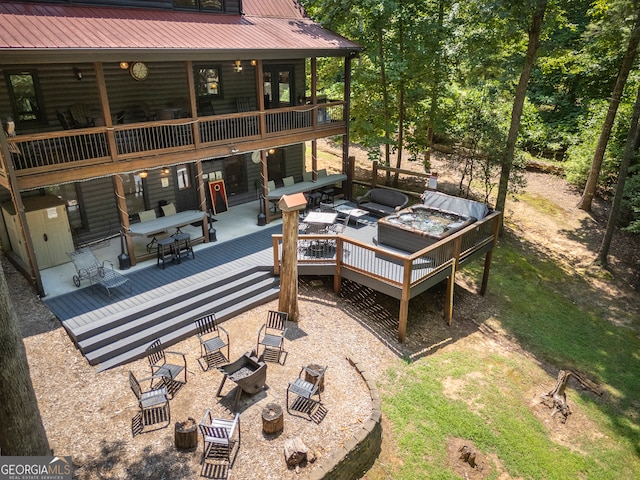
{"x":53,"y":150}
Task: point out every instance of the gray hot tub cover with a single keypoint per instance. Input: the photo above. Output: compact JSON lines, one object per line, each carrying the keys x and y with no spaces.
{"x":461,"y":206}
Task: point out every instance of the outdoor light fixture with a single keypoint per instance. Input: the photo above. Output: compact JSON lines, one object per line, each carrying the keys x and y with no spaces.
{"x":78,"y":73}
{"x":234,"y":150}
{"x":166,"y":170}
{"x":254,"y":63}
{"x":143,"y":174}
{"x":124,"y":65}
{"x":272,"y":151}
{"x":237,"y":66}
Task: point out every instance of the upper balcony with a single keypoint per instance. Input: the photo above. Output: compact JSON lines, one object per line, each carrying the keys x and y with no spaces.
{"x":71,"y":155}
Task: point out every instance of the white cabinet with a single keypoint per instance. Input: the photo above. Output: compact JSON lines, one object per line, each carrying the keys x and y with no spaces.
{"x":49,"y":227}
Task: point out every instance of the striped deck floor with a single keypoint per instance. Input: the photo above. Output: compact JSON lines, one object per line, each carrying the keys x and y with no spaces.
{"x":90,"y":303}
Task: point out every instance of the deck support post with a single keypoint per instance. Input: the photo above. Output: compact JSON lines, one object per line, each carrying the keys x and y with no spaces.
{"x":448,"y":303}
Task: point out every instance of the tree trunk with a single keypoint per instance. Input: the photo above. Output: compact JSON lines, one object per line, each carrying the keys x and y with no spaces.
{"x":435,"y":90}
{"x":627,"y":62}
{"x":21,"y":430}
{"x":629,"y":151}
{"x":401,"y":87}
{"x":518,"y":102}
{"x":385,"y":102}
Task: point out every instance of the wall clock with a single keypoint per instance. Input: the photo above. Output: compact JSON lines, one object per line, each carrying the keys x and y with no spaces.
{"x":139,"y":71}
{"x":256,"y":157}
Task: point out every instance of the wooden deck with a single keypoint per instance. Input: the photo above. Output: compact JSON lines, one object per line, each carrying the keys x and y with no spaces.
{"x":239,"y":274}
{"x":227,"y":278}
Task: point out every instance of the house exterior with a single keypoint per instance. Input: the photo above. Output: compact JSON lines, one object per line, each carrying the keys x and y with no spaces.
{"x":116,"y":107}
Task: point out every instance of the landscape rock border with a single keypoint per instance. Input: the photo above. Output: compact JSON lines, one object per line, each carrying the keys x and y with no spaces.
{"x":357,"y":455}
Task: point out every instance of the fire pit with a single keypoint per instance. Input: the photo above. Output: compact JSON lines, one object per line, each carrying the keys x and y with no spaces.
{"x":247,"y":373}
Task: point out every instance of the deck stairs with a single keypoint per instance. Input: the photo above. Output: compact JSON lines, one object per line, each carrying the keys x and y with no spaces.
{"x":122,"y":336}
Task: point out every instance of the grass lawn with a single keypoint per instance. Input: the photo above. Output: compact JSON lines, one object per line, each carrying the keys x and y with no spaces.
{"x":490,"y":397}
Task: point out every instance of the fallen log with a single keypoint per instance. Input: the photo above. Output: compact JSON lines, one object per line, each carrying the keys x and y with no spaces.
{"x":556,"y":399}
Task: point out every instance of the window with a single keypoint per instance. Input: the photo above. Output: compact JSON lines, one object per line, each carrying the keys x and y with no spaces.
{"x":278,"y":85}
{"x":134,"y":192}
{"x":184,"y":180}
{"x":204,"y":5}
{"x":26,"y":100}
{"x":207,"y":81}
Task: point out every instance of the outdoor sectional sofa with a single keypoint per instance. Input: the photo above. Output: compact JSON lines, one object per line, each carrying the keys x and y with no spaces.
{"x":381,"y":202}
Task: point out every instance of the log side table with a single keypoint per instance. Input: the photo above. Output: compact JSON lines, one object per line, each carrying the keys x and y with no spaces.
{"x":272,"y":418}
{"x":186,"y":435}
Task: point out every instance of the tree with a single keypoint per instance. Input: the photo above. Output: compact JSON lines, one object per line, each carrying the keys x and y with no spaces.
{"x":518,"y":101}
{"x":629,"y":151}
{"x":598,"y":156}
{"x":21,"y":430}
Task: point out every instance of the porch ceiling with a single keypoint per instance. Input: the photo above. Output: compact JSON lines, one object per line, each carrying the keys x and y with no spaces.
{"x":66,"y":32}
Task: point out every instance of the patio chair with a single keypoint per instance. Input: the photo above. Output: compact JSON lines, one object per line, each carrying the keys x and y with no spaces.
{"x":90,"y":268}
{"x":305,"y":394}
{"x":164,"y":370}
{"x":153,"y":403}
{"x":213,"y":338}
{"x":220,"y":439}
{"x":271,"y":336}
{"x":339,"y":226}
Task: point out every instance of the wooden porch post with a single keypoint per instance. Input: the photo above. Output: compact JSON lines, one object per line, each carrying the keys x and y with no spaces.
{"x":106,"y":109}
{"x":346,"y":185}
{"x":314,"y":93}
{"x":264,"y":171}
{"x":202,"y":199}
{"x":121,"y":200}
{"x":314,"y":118}
{"x":288,"y":300}
{"x":195,"y":126}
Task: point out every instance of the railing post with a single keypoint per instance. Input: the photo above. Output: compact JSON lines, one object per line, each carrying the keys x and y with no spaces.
{"x":337,"y":278}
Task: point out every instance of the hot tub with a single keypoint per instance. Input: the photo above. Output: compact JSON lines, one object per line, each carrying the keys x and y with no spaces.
{"x":419,"y":226}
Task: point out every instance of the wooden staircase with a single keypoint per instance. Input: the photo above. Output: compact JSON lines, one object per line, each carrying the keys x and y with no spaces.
{"x":122,"y":336}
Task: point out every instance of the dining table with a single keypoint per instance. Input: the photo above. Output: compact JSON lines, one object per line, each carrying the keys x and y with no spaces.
{"x":163,"y":224}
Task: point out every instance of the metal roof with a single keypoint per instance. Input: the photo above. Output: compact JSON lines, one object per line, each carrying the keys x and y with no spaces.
{"x":275,"y":28}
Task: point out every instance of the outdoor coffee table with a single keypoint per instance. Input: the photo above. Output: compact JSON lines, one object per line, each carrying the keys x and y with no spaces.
{"x":354,"y":213}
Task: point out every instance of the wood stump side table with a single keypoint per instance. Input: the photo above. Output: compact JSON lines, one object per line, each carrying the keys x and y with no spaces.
{"x":186,"y":435}
{"x":311,"y":378}
{"x":272,"y":418}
